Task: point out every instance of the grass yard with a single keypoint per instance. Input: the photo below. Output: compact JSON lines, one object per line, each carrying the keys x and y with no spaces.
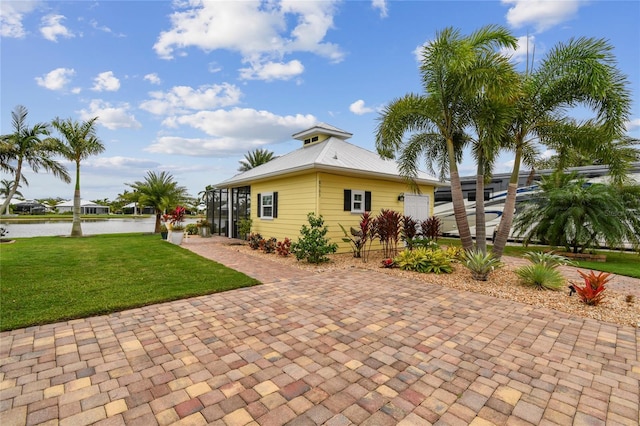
{"x":621,"y":263}
{"x":50,"y":279}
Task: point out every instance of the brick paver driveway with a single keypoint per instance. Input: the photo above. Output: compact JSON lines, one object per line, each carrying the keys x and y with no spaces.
{"x":332,"y":348}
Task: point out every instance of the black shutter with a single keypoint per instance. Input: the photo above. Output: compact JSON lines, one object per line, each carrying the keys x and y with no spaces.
{"x":259,"y":205}
{"x":347,"y":200}
{"x":367,"y":201}
{"x":275,"y":204}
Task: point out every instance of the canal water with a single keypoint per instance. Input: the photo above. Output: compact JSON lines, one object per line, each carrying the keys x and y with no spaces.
{"x":47,"y":228}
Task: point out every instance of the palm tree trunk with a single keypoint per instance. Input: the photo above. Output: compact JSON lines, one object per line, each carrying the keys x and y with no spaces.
{"x":76,"y":228}
{"x":481,"y":231}
{"x":14,"y":188}
{"x":459,"y":210}
{"x":504,"y":228}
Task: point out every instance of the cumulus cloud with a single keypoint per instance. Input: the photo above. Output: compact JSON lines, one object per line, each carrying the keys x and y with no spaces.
{"x":633,"y":124}
{"x":11,"y":15}
{"x":52,"y":28}
{"x":270,"y":71}
{"x":381,"y":5}
{"x":526,"y":46}
{"x":542,"y":14}
{"x":56,"y":79}
{"x":182,"y":99}
{"x":106,"y":81}
{"x":121,"y":163}
{"x":111,"y":117}
{"x":229,"y":133}
{"x":153,"y":78}
{"x":358,"y":108}
{"x":262,"y":32}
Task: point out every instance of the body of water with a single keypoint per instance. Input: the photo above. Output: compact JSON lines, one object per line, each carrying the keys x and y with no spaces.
{"x":47,"y":228}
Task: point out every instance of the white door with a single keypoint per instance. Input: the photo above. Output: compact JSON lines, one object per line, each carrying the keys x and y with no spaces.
{"x":417,"y":206}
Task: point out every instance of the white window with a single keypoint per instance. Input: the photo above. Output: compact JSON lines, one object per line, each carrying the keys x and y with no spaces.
{"x":357,"y":201}
{"x":267,"y":205}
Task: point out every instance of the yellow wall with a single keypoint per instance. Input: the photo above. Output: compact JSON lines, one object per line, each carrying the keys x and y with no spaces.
{"x":323,"y":193}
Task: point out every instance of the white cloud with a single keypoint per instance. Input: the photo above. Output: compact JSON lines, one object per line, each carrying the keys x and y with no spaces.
{"x":633,"y":124}
{"x":109,"y":116}
{"x":153,"y":78}
{"x":259,"y":31}
{"x":106,"y":81}
{"x":181,"y":99}
{"x":52,"y":28}
{"x":229,"y":132}
{"x":526,"y":46}
{"x":121,"y":163}
{"x":270,"y":71}
{"x":11,"y":15}
{"x":56,"y":79}
{"x":380,"y":5}
{"x":417,"y":52}
{"x":358,"y":108}
{"x":542,"y":14}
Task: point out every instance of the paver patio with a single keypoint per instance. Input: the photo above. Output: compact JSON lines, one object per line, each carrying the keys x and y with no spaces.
{"x":331,"y":348}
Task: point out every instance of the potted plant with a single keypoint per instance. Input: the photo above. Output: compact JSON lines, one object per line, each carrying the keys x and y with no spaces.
{"x":164,"y":232}
{"x":177,"y":227}
{"x":204,"y":228}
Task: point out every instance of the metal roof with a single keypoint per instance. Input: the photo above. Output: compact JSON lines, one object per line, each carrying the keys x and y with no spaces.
{"x":332,"y":155}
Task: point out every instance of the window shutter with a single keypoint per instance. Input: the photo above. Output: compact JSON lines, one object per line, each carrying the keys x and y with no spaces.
{"x":275,"y":204}
{"x":259,"y":206}
{"x":367,"y":201}
{"x":347,"y":200}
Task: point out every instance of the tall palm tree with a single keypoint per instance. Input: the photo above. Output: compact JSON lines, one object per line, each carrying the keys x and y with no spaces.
{"x":255,"y":158}
{"x":30,"y":145}
{"x":160,"y":191}
{"x":80,"y":142}
{"x":455,"y":69}
{"x":580,"y":72}
{"x":5,"y":189}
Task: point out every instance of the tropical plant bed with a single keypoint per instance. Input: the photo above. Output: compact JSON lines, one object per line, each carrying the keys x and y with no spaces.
{"x":502,"y":283}
{"x":584,"y":256}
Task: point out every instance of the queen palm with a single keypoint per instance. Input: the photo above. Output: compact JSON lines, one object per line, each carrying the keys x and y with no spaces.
{"x":161,"y":191}
{"x":580,"y":72}
{"x":5,"y":189}
{"x":79,"y":141}
{"x":455,"y":70}
{"x":30,"y":145}
{"x":255,"y":158}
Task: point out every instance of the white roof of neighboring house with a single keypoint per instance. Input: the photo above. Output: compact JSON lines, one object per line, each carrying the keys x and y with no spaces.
{"x":332,"y":155}
{"x":83,"y":203}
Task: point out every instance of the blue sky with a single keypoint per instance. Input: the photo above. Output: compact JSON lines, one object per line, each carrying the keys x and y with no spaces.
{"x":189,"y":87}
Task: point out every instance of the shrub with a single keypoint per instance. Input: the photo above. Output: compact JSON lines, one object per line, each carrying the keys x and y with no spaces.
{"x":268,"y":246}
{"x":424,"y":260}
{"x":480,"y":264}
{"x":409,"y":230}
{"x":313,"y":245}
{"x":244,"y":227}
{"x":541,"y":276}
{"x":455,"y":253}
{"x":594,"y":286}
{"x":431,"y":228}
{"x":387,"y":226}
{"x":424,"y":242}
{"x":388,"y":263}
{"x":191,"y":229}
{"x":283,"y":248}
{"x":354,"y":238}
{"x":254,"y":240}
{"x":368,"y":232}
{"x":547,"y":258}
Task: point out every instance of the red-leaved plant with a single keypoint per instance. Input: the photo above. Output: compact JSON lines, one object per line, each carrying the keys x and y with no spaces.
{"x":594,"y":286}
{"x":283,"y":248}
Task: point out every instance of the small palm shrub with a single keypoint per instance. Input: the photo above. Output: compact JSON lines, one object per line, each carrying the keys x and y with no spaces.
{"x":313,"y":245}
{"x":541,"y":276}
{"x":546,"y":258}
{"x":594,"y":286}
{"x":480,"y":264}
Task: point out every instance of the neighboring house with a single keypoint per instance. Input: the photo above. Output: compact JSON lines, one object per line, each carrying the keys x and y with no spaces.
{"x":86,"y":207}
{"x":134,"y":208}
{"x":326,"y":176}
{"x":29,"y":207}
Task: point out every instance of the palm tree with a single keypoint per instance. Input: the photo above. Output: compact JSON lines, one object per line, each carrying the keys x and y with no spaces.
{"x":455,"y":69}
{"x":80,"y":142}
{"x":5,"y":190}
{"x":571,"y":213}
{"x":26,"y":144}
{"x":581,"y":72}
{"x":255,"y":159}
{"x":159,"y":191}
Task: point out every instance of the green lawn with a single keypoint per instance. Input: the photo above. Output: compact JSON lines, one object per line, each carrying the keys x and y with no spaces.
{"x":49,"y":279}
{"x":621,"y":263}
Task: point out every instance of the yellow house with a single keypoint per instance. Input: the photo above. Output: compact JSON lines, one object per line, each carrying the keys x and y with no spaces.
{"x":327,"y":176}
